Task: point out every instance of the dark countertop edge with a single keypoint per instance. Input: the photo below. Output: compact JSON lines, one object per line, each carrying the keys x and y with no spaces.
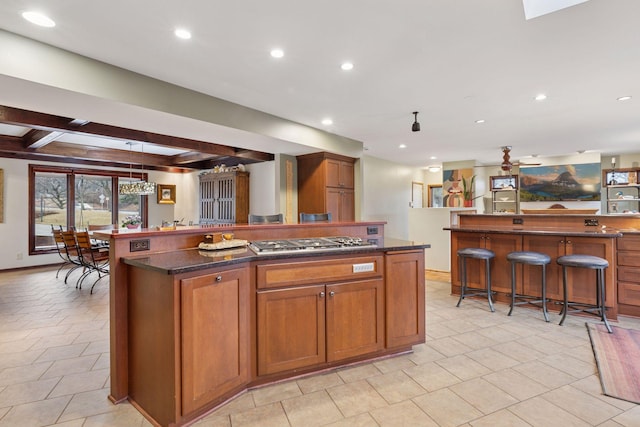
{"x":250,"y":256}
{"x":611,"y":233}
{"x":191,"y":229}
{"x":555,"y":215}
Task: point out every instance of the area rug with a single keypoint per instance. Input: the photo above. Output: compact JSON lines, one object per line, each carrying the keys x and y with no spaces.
{"x":618,"y":360}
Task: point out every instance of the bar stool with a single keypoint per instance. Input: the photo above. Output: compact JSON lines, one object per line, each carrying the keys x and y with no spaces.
{"x":530,"y":258}
{"x":475,"y":253}
{"x":594,"y":263}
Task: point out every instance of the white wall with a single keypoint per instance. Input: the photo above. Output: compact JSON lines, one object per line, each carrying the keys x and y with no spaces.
{"x":386,"y":194}
{"x":262,"y":188}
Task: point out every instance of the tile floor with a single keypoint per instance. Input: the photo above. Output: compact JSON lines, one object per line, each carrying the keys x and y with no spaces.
{"x":476,"y":369}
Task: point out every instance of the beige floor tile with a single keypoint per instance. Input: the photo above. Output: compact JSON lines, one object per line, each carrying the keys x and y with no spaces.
{"x":499,"y":334}
{"x":492,"y":359}
{"x":64,"y":352}
{"x":358,"y":373}
{"x":240,"y":403}
{"x":35,"y":413}
{"x":463,"y":367}
{"x":79,"y":383}
{"x":275,"y":393}
{"x":396,"y":386}
{"x":474,"y":340}
{"x":125,"y":415}
{"x":571,"y":365}
{"x":271,"y":415}
{"x":446,"y":408}
{"x":516,"y":384}
{"x":17,"y":394}
{"x":586,"y":407}
{"x":70,"y":366}
{"x":483,"y":395}
{"x":319,"y":382}
{"x":22,"y":374}
{"x":502,"y":418}
{"x":423,"y":354}
{"x":432,"y":376}
{"x":592,"y":386}
{"x":394,"y":363}
{"x":518,"y":351}
{"x":87,"y":404}
{"x":630,"y":418}
{"x":310,"y":410}
{"x":362,"y":420}
{"x":214,"y":421}
{"x":355,"y":398}
{"x":539,"y":412}
{"x":402,"y":414}
{"x":544,"y":374}
{"x":449,"y":346}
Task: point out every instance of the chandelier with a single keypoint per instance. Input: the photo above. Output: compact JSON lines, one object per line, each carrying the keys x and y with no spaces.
{"x":140,"y":188}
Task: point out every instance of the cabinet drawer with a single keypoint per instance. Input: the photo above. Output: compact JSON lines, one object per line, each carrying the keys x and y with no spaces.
{"x":629,"y":243}
{"x":631,"y":259}
{"x":629,"y":274}
{"x":629,"y":293}
{"x":313,"y":272}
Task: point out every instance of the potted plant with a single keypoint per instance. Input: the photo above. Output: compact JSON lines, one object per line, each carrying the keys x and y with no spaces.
{"x":467,"y":190}
{"x":132,"y":221}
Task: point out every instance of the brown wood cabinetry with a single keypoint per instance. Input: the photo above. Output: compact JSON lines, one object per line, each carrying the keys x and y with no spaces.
{"x":301,"y":325}
{"x":404,"y":298}
{"x":214,"y":315}
{"x":501,"y":244}
{"x":326,"y":184}
{"x":582,"y":280}
{"x":629,"y":274}
{"x":224,"y":198}
{"x":177,"y":328}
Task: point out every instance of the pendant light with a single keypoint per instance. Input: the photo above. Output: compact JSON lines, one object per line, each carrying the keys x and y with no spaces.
{"x":415,"y":127}
{"x":140,"y":188}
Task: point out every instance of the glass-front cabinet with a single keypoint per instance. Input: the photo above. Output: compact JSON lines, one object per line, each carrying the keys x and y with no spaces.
{"x":505,"y":198}
{"x":623,"y":191}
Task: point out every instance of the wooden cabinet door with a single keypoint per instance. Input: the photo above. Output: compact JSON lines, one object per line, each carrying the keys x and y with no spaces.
{"x":554,"y":246}
{"x":404,"y":298}
{"x":339,"y":173}
{"x":583,"y":280}
{"x":502,"y":244}
{"x":347,"y":206}
{"x":355,"y":318}
{"x":475,"y":269}
{"x":291,"y":328}
{"x":215,"y":315}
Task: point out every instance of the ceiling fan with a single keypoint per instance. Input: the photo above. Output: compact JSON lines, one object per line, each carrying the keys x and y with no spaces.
{"x":507,"y":164}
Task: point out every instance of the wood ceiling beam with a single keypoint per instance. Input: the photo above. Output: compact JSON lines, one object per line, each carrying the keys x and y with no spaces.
{"x":50,"y":123}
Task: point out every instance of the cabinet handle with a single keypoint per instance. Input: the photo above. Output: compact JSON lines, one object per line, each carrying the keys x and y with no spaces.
{"x":219,"y":279}
{"x":322,"y":294}
{"x":332,"y":293}
{"x":562,"y":242}
{"x":568,"y":242}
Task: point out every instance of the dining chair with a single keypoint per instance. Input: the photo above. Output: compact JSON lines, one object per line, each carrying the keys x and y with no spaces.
{"x":266,"y":219}
{"x":315,"y":217}
{"x":95,"y":258}
{"x":71,"y":251}
{"x":62,"y":252}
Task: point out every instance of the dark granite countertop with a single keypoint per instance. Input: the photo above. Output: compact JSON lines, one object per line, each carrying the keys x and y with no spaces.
{"x":194,"y":259}
{"x":551,"y":231}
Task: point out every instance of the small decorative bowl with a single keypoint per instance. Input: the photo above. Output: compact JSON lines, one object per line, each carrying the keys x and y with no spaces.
{"x":227,"y":236}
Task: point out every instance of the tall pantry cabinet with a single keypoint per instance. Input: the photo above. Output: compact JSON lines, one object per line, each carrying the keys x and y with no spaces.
{"x":326,"y":184}
{"x":224,"y":197}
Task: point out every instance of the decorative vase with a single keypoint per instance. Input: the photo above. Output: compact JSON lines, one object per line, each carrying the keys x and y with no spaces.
{"x":132,"y":226}
{"x":468,"y":203}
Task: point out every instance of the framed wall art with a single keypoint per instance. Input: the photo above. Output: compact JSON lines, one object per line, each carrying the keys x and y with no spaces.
{"x":166,"y":193}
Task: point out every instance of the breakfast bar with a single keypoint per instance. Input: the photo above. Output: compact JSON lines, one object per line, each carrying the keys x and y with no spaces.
{"x":613,"y":238}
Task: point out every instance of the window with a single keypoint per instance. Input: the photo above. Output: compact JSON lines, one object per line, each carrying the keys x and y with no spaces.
{"x":79,"y":197}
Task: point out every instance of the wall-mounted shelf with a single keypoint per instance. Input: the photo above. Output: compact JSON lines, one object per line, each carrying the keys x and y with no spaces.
{"x":505,"y":197}
{"x":623,"y":190}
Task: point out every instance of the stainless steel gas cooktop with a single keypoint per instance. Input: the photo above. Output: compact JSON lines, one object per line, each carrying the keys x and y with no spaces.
{"x":308,"y":244}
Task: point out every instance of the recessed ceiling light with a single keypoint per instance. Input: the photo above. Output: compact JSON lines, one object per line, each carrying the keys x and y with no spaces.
{"x":347,"y":66}
{"x":433,"y":157}
{"x":181,"y":33}
{"x":39,"y":19}
{"x":624,"y":98}
{"x":277,"y":53}
{"x":327,"y":121}
{"x":402,"y":146}
{"x":479,"y":121}
{"x":434,"y":168}
{"x":541,"y":97}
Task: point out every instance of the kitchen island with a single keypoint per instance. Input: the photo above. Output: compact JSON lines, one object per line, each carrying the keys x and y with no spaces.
{"x":202,"y":326}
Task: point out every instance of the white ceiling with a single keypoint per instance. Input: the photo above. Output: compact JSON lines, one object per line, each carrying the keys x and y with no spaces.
{"x":454,"y":61}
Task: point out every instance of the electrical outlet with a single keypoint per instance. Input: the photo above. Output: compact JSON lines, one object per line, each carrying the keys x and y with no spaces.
{"x":518,"y":221}
{"x":363,"y":268}
{"x":591,"y":222}
{"x":372,"y":230}
{"x":139,"y":245}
